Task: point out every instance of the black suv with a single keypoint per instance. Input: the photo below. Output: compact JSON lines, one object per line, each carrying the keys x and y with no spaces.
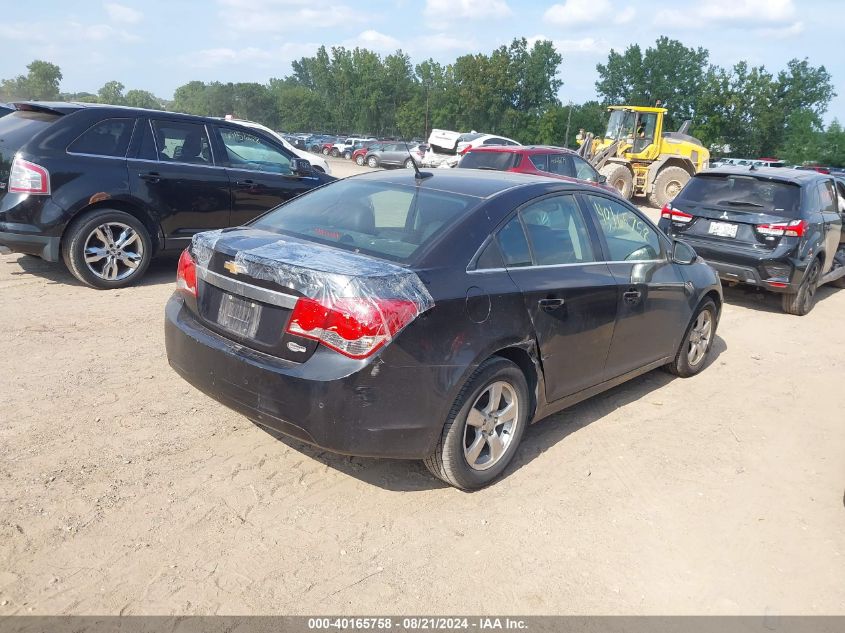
{"x":105,"y":188}
{"x":774,"y":228}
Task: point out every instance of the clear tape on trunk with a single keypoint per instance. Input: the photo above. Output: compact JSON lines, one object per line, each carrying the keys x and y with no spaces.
{"x":315,"y":270}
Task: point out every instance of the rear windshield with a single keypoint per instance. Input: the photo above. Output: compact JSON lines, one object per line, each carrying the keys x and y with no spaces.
{"x":743,"y":193}
{"x":387,"y":220}
{"x":500,"y":161}
{"x":15,"y":131}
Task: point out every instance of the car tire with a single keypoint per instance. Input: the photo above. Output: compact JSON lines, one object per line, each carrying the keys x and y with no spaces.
{"x":325,"y":151}
{"x":99,"y":234}
{"x":667,"y":185}
{"x":620,"y":178}
{"x":409,"y":163}
{"x":691,"y":356}
{"x":359,"y":160}
{"x":465,"y":456}
{"x":372,"y":161}
{"x":801,"y":302}
{"x":335,"y":153}
{"x":319,"y":169}
{"x":347,"y":155}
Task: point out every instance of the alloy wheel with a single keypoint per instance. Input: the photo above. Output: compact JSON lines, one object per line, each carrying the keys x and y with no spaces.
{"x":113,"y":251}
{"x":811,"y":284}
{"x":699,"y":338}
{"x":491,"y":425}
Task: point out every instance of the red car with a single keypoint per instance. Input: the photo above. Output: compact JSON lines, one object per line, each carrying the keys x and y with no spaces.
{"x":541,"y":160}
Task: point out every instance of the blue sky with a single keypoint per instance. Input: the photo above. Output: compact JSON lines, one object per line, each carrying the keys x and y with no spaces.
{"x":158,"y":45}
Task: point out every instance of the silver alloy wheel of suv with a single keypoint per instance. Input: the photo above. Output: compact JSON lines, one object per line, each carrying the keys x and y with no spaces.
{"x":113,"y":251}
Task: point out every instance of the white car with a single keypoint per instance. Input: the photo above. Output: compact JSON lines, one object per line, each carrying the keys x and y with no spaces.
{"x":347,"y":146}
{"x":317,"y":162}
{"x":447,"y":147}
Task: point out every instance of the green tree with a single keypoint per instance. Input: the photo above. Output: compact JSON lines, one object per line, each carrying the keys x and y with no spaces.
{"x":111,"y":92}
{"x":142,"y":99}
{"x":40,"y":83}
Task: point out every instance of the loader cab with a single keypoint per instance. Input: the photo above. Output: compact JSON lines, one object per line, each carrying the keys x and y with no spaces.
{"x":638,"y":129}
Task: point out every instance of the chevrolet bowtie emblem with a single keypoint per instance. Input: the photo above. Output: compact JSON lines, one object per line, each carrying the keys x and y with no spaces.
{"x":234,"y":267}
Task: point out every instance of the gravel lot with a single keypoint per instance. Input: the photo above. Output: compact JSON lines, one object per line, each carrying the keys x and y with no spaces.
{"x":124,"y":490}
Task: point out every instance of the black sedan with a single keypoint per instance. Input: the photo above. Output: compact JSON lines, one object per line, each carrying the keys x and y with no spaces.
{"x":435,"y":317}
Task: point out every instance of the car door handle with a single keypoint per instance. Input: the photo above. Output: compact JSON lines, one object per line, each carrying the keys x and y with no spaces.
{"x":549,"y":305}
{"x":249,"y":182}
{"x":632,"y":296}
{"x":152,"y":176}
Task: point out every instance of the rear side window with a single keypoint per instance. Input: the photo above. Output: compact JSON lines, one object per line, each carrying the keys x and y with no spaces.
{"x":109,"y":137}
{"x":827,"y":195}
{"x":182,"y":142}
{"x":557,"y":232}
{"x":514,"y":245}
{"x":389,"y":221}
{"x":743,"y":192}
{"x":500,"y":161}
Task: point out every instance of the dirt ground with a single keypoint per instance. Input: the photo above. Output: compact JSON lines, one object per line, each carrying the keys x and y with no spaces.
{"x":124,"y":490}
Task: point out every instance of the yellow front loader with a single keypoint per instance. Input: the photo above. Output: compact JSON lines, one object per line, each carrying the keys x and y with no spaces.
{"x":639,"y":159}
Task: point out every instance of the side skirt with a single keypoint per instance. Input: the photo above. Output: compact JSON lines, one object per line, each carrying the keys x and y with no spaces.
{"x":568,"y":401}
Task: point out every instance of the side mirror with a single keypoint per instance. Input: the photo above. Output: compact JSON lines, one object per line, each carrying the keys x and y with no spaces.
{"x":602,"y":179}
{"x":301,"y":167}
{"x":683,"y":253}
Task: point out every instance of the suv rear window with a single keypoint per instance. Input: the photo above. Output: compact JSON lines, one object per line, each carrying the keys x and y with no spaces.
{"x":500,"y":161}
{"x":15,"y":131}
{"x":389,"y":221}
{"x":743,"y":193}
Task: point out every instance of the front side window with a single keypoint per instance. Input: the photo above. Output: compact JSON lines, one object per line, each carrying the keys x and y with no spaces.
{"x":584,"y":171}
{"x":109,"y":137}
{"x":182,"y":142}
{"x":628,"y":236}
{"x":557,"y":232}
{"x":245,"y":150}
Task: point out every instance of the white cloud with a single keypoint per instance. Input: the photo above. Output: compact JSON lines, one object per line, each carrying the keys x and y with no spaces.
{"x":584,"y":45}
{"x":103,"y":32}
{"x":122,"y":14}
{"x":277,"y":16}
{"x":223,"y":56}
{"x":431,"y":44}
{"x":446,"y":13}
{"x":779,"y":15}
{"x":574,"y":13}
{"x":374,"y":41}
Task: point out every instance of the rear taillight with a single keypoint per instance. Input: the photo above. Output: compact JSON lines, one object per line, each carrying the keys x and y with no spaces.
{"x":795,"y":228}
{"x":675,"y":215}
{"x":26,"y":177}
{"x":354,"y":327}
{"x":465,"y":150}
{"x":186,"y":274}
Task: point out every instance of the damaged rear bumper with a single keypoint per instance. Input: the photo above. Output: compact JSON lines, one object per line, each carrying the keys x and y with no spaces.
{"x":347,"y":406}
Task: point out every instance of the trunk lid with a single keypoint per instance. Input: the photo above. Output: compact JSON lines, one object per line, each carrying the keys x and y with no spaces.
{"x":728,"y":225}
{"x":251,"y":280}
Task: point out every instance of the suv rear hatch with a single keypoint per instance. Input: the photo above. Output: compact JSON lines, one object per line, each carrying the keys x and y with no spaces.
{"x":285,"y":296}
{"x":737,"y":211}
{"x":16,"y":130}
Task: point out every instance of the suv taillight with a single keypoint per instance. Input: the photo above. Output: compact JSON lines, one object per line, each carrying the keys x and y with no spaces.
{"x":186,"y":274}
{"x":26,"y":177}
{"x":675,"y":215}
{"x":795,"y":228}
{"x":355,"y":327}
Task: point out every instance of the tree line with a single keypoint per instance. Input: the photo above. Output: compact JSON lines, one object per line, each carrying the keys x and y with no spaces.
{"x":743,"y":110}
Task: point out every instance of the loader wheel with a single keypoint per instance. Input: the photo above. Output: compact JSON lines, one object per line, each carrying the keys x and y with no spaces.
{"x":667,"y":185}
{"x":620,"y":178}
